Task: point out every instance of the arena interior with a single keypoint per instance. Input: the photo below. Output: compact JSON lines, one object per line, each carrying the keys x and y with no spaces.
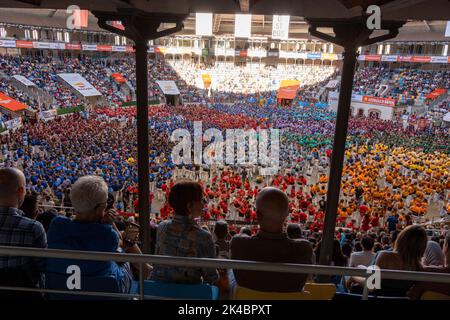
{"x":257,"y":151}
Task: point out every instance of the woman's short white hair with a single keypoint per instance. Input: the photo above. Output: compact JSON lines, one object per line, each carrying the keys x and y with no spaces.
{"x":87,"y":193}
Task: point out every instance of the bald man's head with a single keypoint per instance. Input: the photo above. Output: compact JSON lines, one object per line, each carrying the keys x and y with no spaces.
{"x":12,"y":187}
{"x":272,"y":206}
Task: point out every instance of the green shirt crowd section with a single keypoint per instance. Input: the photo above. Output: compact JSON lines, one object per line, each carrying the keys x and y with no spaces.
{"x":63,"y":111}
{"x":133,"y":103}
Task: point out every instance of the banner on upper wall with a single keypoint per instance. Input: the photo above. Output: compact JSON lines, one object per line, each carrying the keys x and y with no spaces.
{"x":118,"y":49}
{"x":422,"y":59}
{"x":106,"y":48}
{"x":273,"y":53}
{"x":379,"y":101}
{"x":80,"y":84}
{"x":168,"y":87}
{"x":89,"y":47}
{"x":49,"y":45}
{"x":313,"y":56}
{"x":372,"y":57}
{"x":439,"y":59}
{"x":24,"y":80}
{"x":118,"y":78}
{"x":397,"y":58}
{"x":24,"y":44}
{"x":8,"y":43}
{"x":70,"y":46}
{"x":11,"y":104}
{"x":257,"y":53}
{"x":389,"y":58}
{"x":405,"y":59}
{"x":329,"y":56}
{"x":288,"y":89}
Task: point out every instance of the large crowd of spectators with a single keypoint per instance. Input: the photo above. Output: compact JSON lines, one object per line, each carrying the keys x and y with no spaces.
{"x":71,"y":183}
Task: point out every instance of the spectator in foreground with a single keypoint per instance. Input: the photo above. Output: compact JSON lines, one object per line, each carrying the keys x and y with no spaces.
{"x":364,"y":257}
{"x":271,"y":244}
{"x":220,"y":233}
{"x":443,"y":288}
{"x":433,"y":255}
{"x":409,"y":249}
{"x":20,"y":231}
{"x":92,"y":229}
{"x":183,"y":237}
{"x":223,"y":252}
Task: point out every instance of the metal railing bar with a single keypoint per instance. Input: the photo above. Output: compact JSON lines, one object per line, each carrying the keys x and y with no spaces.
{"x":221,"y":263}
{"x":72,"y":292}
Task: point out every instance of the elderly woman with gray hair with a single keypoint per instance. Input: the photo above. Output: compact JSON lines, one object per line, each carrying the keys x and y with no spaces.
{"x":92,"y":229}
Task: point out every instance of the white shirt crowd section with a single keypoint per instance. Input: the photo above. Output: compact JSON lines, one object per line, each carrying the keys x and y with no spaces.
{"x":251,"y":78}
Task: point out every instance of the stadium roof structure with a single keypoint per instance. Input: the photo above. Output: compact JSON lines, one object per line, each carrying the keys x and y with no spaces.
{"x":330,"y":9}
{"x":424,"y":22}
{"x":346,"y":18}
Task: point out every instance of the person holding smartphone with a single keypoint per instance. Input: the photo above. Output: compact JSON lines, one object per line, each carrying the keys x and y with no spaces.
{"x":93,"y":229}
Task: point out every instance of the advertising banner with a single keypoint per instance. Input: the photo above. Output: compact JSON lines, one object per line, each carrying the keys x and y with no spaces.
{"x":436,"y":93}
{"x":168,"y":87}
{"x":422,"y":59}
{"x":405,"y":59}
{"x":80,"y":84}
{"x":47,"y":114}
{"x":389,"y":58}
{"x":372,"y":57}
{"x":24,"y":80}
{"x":379,"y":101}
{"x":71,"y":46}
{"x":439,"y":59}
{"x":329,"y":56}
{"x":8,"y":43}
{"x":89,"y":47}
{"x":118,"y":48}
{"x":288,"y":89}
{"x":11,"y":104}
{"x":101,"y":47}
{"x":118,"y":78}
{"x":313,"y":56}
{"x":24,"y":44}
